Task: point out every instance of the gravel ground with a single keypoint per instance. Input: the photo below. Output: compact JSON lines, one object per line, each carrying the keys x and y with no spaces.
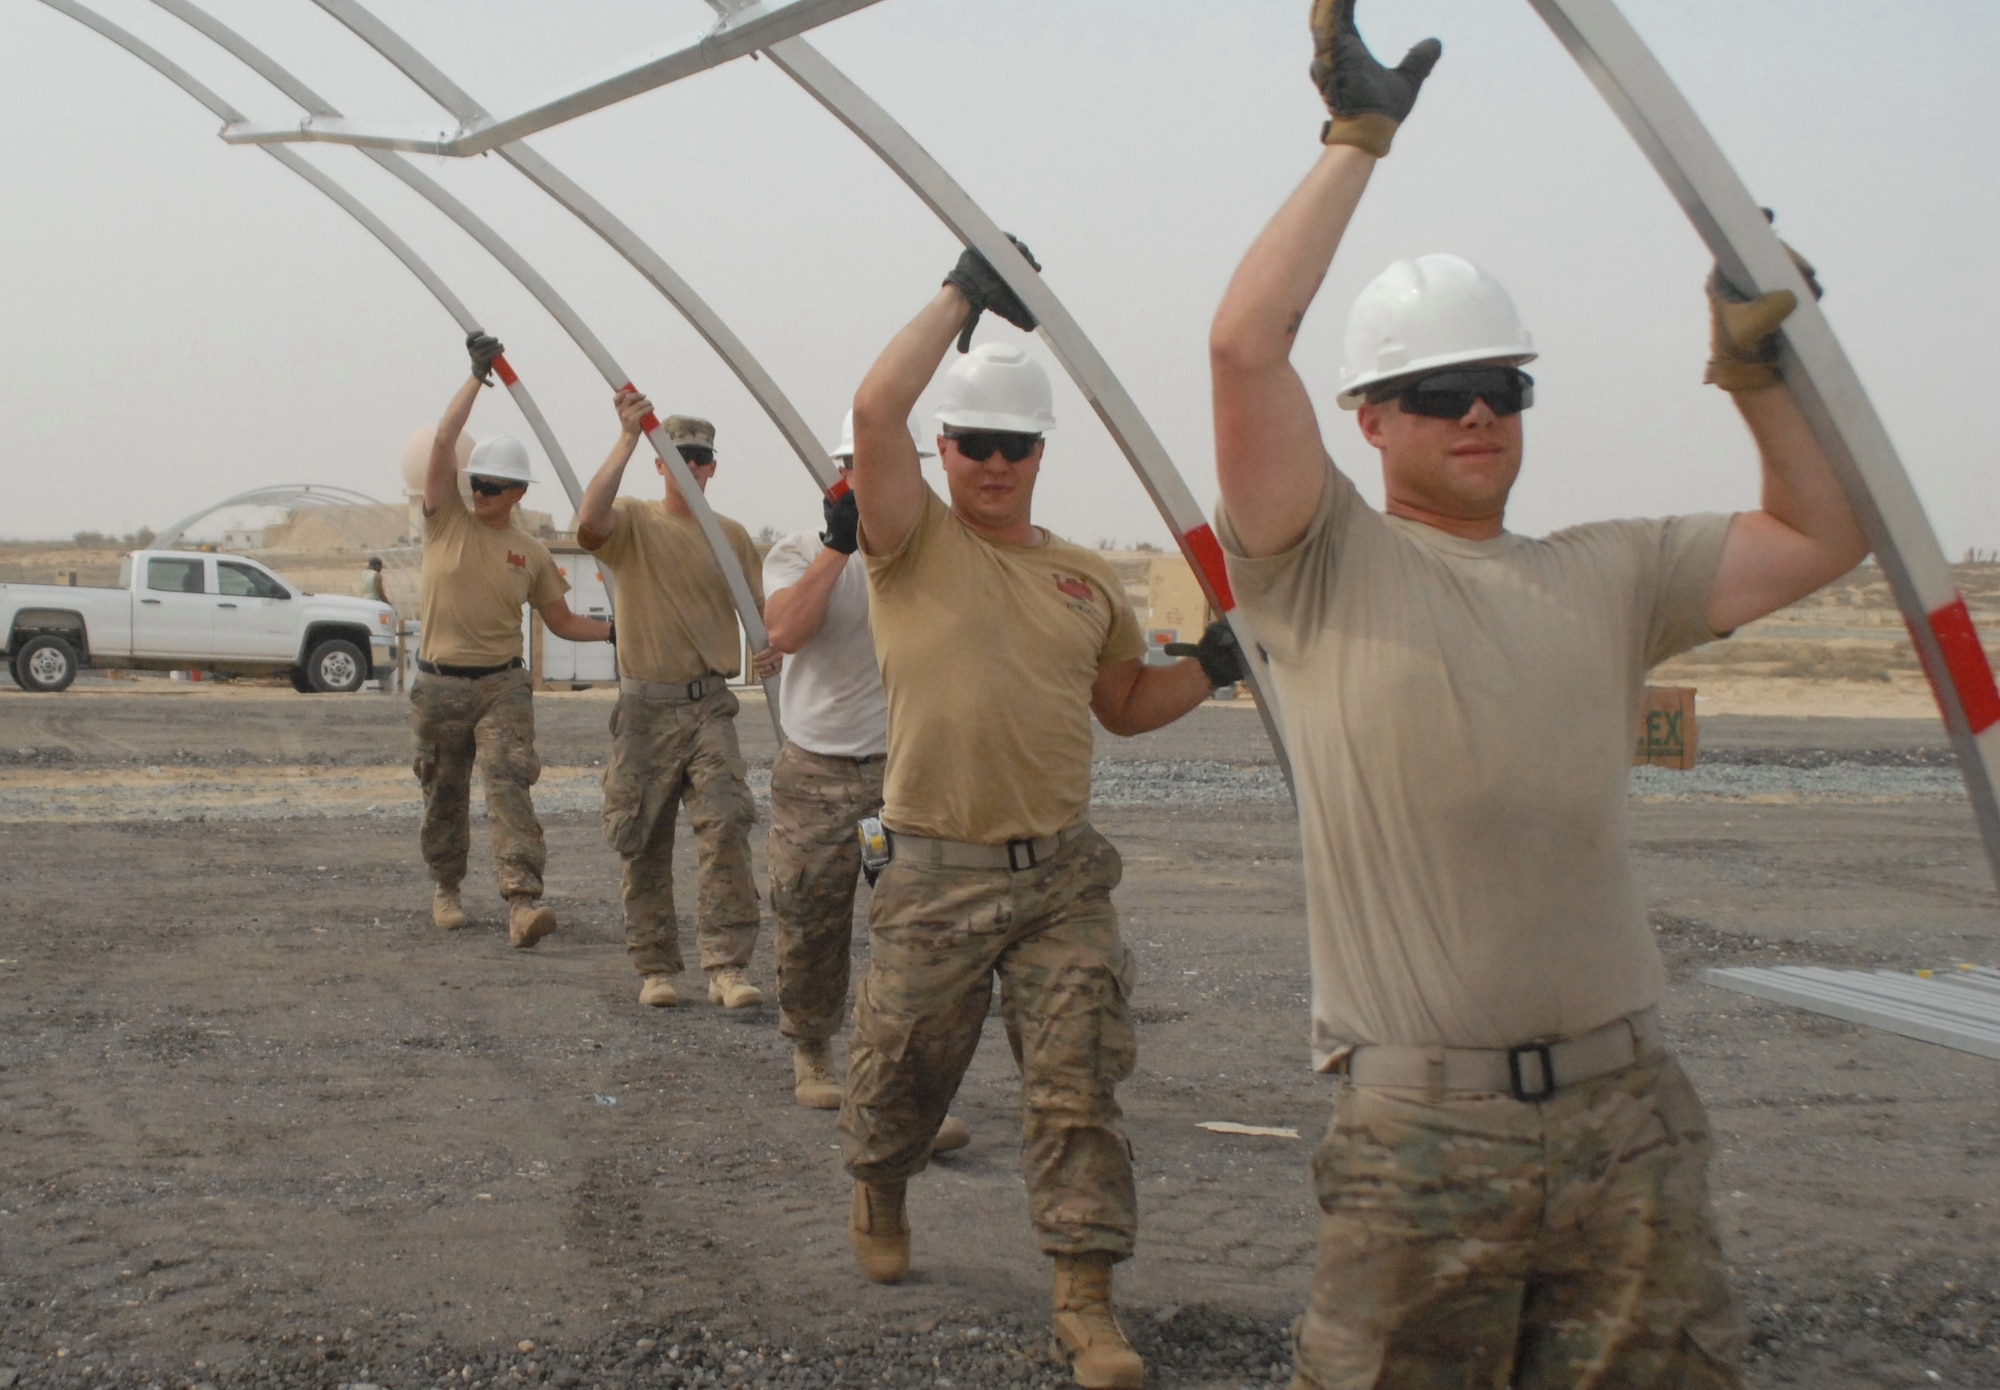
{"x":260,"y":1126}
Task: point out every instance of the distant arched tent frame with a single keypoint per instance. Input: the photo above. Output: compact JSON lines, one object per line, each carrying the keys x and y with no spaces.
{"x":291,"y":496}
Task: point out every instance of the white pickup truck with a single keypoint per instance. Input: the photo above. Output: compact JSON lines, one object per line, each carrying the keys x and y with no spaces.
{"x":189,"y":610}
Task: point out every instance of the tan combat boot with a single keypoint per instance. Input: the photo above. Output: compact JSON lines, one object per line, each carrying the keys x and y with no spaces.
{"x":877,"y":1231}
{"x":658,"y":992}
{"x":1087,"y":1335}
{"x":447,"y":911}
{"x":813,"y":1083}
{"x":732,"y":989}
{"x":953,"y":1134}
{"x":528,"y":921}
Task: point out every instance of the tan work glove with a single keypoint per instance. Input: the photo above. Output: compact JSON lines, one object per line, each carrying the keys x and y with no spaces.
{"x":1743,"y":332}
{"x":1367,"y":100}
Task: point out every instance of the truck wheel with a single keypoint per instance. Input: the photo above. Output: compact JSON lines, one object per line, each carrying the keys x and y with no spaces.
{"x":336,"y":667}
{"x":45,"y":665}
{"x":297,"y":676}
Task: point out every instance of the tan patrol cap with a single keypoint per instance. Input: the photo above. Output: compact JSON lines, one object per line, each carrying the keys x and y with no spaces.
{"x":689,"y":429}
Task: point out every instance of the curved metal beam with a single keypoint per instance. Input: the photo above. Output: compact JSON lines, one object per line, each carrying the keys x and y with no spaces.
{"x":405,"y":58}
{"x":1821,"y":378}
{"x":572,"y":323}
{"x":747,"y":26}
{"x":1065,"y":337}
{"x":347,"y":203}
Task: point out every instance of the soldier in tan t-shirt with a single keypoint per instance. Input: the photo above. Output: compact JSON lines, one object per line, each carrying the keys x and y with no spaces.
{"x":471,"y":699}
{"x":673,"y":731}
{"x":997,"y":642}
{"x":1513,"y":1184}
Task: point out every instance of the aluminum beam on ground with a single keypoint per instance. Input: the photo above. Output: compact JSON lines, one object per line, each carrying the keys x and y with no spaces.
{"x":1938,"y":1010}
{"x":349,"y":204}
{"x":745,"y":29}
{"x":1072,"y":347}
{"x":763,"y":388}
{"x":1819,"y":375}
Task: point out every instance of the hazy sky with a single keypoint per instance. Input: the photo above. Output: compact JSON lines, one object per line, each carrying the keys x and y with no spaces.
{"x":185,"y":320}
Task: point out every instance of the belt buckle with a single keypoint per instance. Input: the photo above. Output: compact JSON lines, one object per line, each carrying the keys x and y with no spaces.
{"x":695,"y":689}
{"x":1540,"y":1051}
{"x":1014,"y":863}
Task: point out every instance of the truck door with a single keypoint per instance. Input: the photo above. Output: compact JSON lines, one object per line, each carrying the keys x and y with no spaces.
{"x":253,"y":614}
{"x":173,"y":613}
{"x":580,"y":661}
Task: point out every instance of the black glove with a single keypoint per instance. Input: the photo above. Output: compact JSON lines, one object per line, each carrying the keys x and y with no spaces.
{"x":1220,"y":656}
{"x":982,"y":286}
{"x":843,"y":521}
{"x":611,"y":632}
{"x":1367,"y":100}
{"x":483,"y":348}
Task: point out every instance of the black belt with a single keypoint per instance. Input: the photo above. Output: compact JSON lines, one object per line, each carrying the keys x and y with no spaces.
{"x":467,"y":673}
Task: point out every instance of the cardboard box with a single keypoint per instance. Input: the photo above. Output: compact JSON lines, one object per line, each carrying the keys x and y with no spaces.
{"x":1667,"y":736}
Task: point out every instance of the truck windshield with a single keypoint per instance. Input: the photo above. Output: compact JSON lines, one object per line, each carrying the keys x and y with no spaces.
{"x":246,"y":581}
{"x":174,"y":576}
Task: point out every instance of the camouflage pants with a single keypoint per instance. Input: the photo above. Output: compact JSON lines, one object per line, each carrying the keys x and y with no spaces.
{"x":664,"y":752}
{"x":937,"y":938}
{"x":1488,"y":1242}
{"x":815,"y":861}
{"x":489,"y":722}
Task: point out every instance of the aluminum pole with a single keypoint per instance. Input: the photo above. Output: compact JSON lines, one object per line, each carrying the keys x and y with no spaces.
{"x":1065,"y":337}
{"x":406,"y":59}
{"x":745,"y":29}
{"x":1819,"y":375}
{"x":347,"y":203}
{"x":579,"y":332}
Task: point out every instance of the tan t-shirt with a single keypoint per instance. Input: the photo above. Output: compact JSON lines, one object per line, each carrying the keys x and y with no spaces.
{"x":988,"y":653}
{"x":1459,"y":715}
{"x":475,"y":581}
{"x":675,"y":619}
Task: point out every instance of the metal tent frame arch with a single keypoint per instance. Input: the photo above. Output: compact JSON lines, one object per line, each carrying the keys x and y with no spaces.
{"x":296,"y":496}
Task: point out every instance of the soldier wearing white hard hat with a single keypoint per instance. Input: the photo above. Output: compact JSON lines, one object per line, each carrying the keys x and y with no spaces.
{"x":1512,"y":1188}
{"x":997,"y":642}
{"x":471,"y":700}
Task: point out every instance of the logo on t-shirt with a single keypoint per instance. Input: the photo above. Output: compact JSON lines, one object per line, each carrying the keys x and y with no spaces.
{"x":519,"y":562}
{"x":1076,"y":588}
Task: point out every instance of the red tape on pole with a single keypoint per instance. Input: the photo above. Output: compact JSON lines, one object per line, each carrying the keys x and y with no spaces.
{"x":1204,"y":551}
{"x":1965,"y":664}
{"x":507,"y":377}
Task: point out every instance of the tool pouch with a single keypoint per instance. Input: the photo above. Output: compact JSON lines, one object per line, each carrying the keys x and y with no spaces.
{"x":876,"y":852}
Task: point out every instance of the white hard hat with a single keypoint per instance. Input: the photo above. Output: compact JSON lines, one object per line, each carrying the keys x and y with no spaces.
{"x":503,"y":458}
{"x":997,"y":386}
{"x":1436,"y":311}
{"x":845,"y":452}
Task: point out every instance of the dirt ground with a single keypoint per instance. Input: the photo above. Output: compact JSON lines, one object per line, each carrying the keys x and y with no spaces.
{"x":261,"y":1124}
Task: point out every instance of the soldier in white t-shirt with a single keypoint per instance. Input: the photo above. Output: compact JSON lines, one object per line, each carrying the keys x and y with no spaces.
{"x":827,"y":777}
{"x":1512,"y":1188}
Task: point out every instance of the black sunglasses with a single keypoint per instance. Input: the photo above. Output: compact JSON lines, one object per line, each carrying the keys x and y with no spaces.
{"x":488,"y":487}
{"x":1448,"y":395}
{"x":696,"y":455}
{"x":978,"y":445}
